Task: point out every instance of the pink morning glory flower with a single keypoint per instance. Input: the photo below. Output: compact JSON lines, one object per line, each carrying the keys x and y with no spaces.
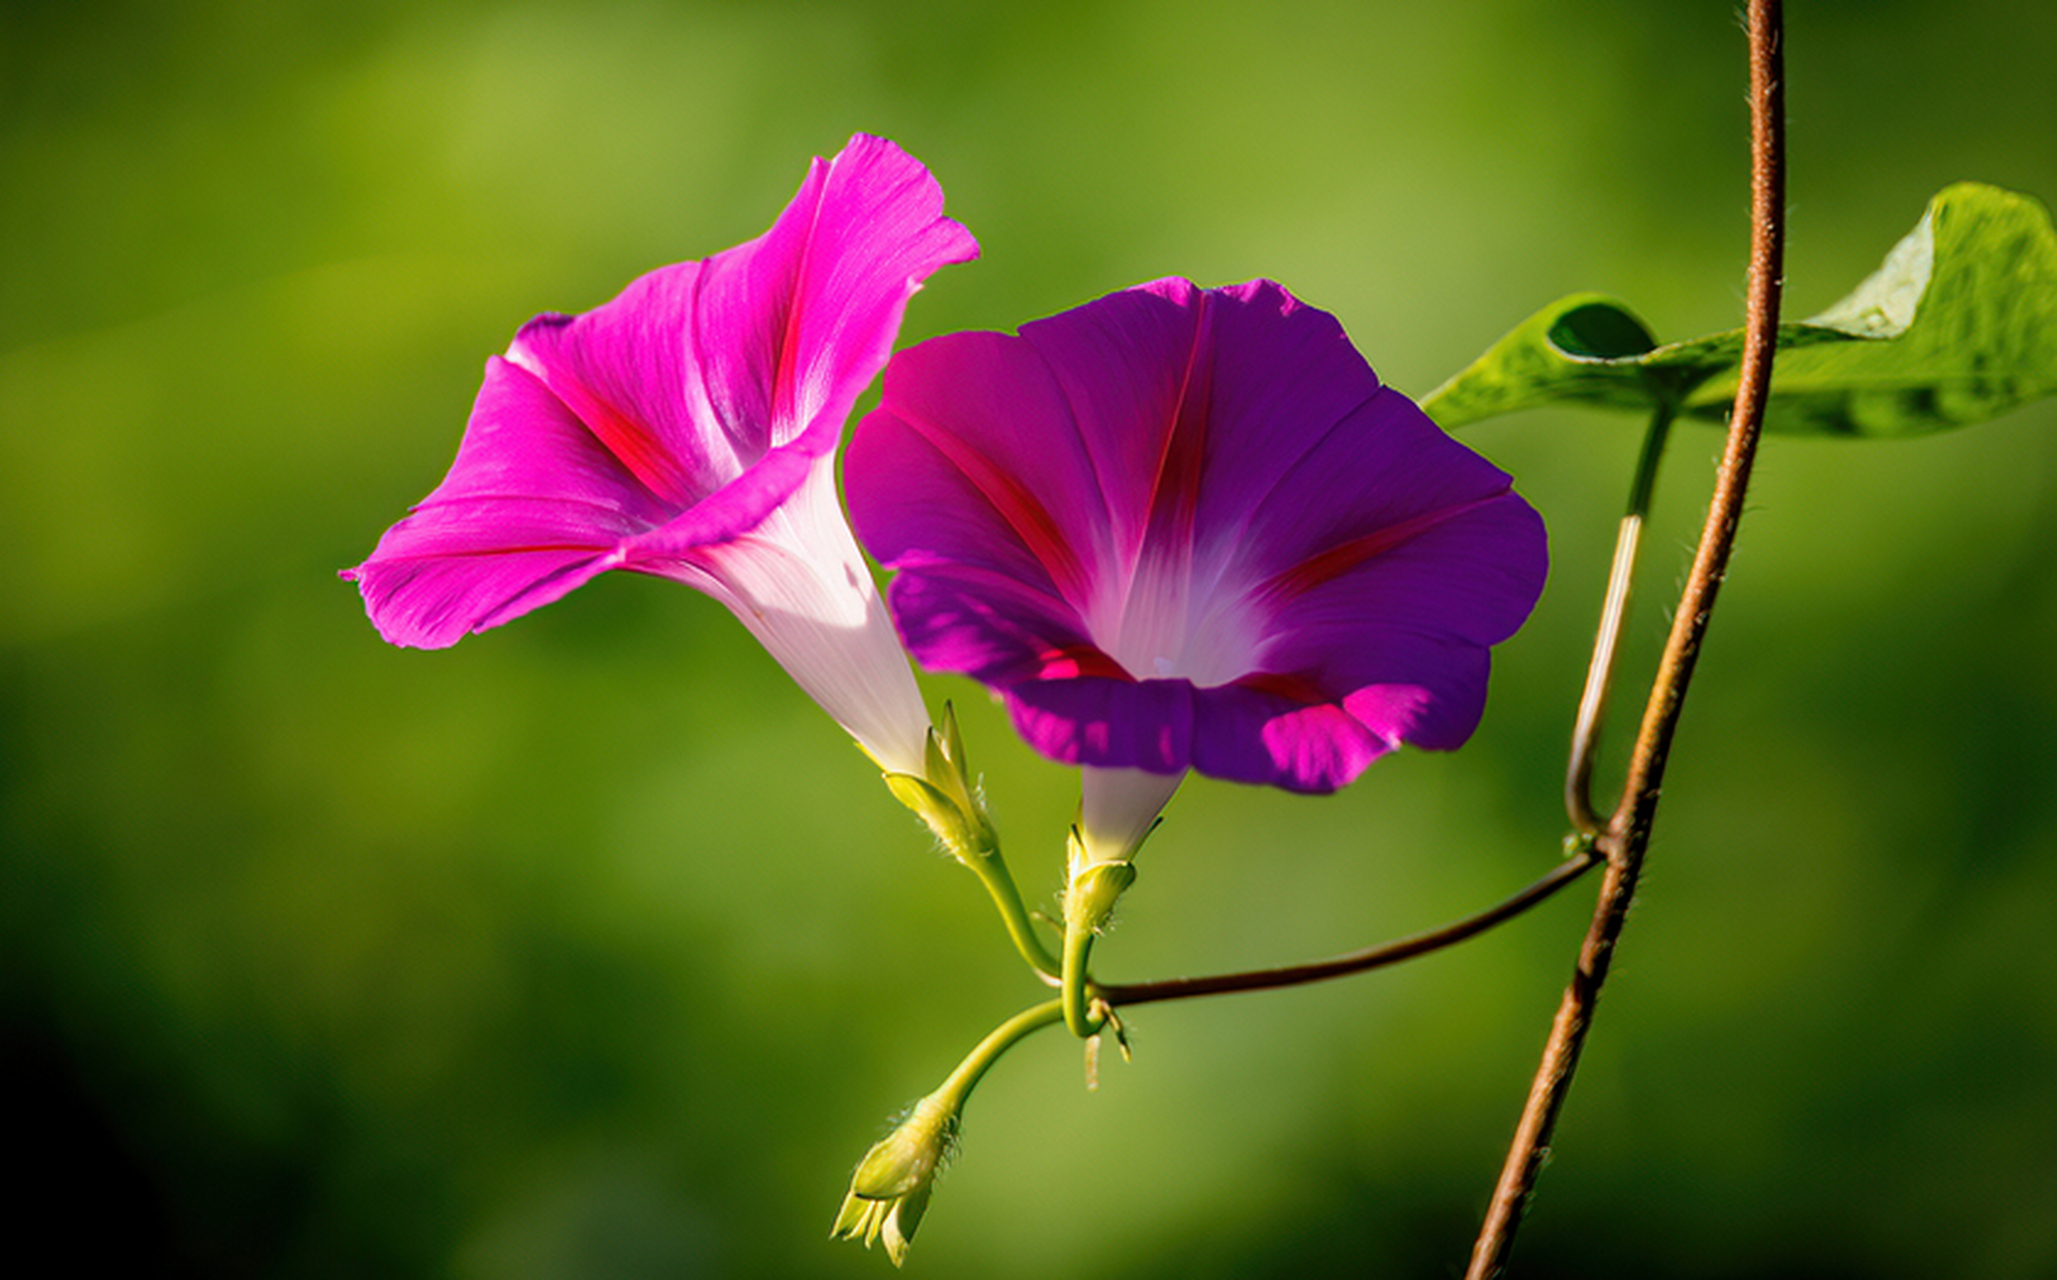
{"x":688,"y":429}
{"x":1188,"y":529}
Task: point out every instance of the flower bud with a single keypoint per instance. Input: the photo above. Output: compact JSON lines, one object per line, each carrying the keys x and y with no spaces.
{"x":890,"y":1190}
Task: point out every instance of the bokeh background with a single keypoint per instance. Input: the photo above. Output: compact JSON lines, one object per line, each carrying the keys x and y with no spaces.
{"x":590,"y":949}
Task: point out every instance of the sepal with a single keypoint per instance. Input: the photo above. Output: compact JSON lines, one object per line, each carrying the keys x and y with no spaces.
{"x":937,"y":811}
{"x":1095,"y":888}
{"x":945,"y":797}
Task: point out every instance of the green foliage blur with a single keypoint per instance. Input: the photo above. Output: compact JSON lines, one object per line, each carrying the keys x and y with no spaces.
{"x":590,"y":949}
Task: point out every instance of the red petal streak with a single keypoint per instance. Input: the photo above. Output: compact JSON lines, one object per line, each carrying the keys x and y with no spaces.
{"x":1076,"y":661}
{"x":1340,"y":559}
{"x":1175,"y":493}
{"x":632,"y":443}
{"x":642,"y":453}
{"x":1028,"y":518}
{"x":1284,"y":684}
{"x":785,"y":391}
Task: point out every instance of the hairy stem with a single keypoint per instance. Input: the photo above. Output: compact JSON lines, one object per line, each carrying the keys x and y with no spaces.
{"x":1627,"y":834}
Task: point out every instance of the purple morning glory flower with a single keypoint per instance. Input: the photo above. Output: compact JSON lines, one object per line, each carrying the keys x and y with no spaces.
{"x":1185,"y":529}
{"x":688,"y":429}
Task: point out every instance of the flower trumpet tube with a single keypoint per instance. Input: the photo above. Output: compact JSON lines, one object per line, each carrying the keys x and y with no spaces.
{"x":688,"y":429}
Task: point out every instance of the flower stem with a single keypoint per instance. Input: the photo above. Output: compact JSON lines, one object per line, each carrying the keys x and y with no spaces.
{"x":1592,"y":704}
{"x":890,"y":1190}
{"x":998,"y":1041}
{"x":1627,"y":835}
{"x":1583,"y":859}
{"x":992,"y":872}
{"x":946,"y":797}
{"x":1078,"y":951}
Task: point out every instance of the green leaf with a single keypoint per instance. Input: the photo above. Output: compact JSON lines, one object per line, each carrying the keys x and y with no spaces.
{"x":1957,"y":326}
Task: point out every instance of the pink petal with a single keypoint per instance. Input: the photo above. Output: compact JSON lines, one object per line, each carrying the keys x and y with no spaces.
{"x":532,"y":507}
{"x":799,"y":583}
{"x":675,"y":418}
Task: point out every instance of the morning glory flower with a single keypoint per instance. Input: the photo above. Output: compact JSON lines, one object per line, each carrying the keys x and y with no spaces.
{"x":1188,"y":529}
{"x":688,"y":429}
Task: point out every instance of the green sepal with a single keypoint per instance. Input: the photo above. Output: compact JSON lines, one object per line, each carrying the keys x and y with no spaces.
{"x":1088,"y":905}
{"x":896,"y":1220}
{"x":912,"y":1153}
{"x":948,"y":802}
{"x":939,"y":812}
{"x":1095,"y":888}
{"x":890,"y":1191}
{"x":946,"y":798}
{"x":1958,"y":325}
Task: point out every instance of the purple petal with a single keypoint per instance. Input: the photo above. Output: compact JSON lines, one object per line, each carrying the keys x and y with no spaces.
{"x":1133,"y":370}
{"x":1194,"y":401}
{"x":1381,"y":475}
{"x":1110,"y":723}
{"x":1180,"y":528}
{"x":991,"y":627}
{"x":1246,"y":734}
{"x":1470,"y":579}
{"x":942,"y":463}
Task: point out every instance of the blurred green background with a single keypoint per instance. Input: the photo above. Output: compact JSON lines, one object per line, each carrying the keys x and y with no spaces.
{"x":590,"y":949}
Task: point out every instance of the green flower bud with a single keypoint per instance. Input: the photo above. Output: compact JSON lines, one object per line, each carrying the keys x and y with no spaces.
{"x":891,"y":1188}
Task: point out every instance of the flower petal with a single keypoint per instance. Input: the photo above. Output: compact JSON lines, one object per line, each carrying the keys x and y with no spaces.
{"x":696,"y":371}
{"x":677,"y":418}
{"x":1380,"y":479}
{"x":942,"y":463}
{"x":532,"y":507}
{"x":1107,"y":723}
{"x":1256,"y":735}
{"x":1118,"y":809}
{"x":1182,"y":528}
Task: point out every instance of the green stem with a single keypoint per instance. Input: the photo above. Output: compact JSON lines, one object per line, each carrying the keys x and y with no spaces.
{"x":998,"y":1041}
{"x":945,"y":796}
{"x":1592,"y":704}
{"x":992,"y":872}
{"x":1078,"y":949}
